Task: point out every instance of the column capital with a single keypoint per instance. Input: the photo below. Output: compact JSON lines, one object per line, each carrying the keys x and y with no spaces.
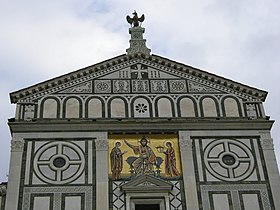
{"x":185,"y":140}
{"x":101,"y":141}
{"x":101,"y":144}
{"x":17,"y":144}
{"x":3,"y":189}
{"x":266,"y":140}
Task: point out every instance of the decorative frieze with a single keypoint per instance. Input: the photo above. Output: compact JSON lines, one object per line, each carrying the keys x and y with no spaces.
{"x":29,"y":112}
{"x":139,"y":71}
{"x":159,"y":86}
{"x":82,"y":88}
{"x":251,"y":111}
{"x":121,"y":86}
{"x":177,"y":86}
{"x":196,"y":87}
{"x":140,"y":86}
{"x":102,"y":86}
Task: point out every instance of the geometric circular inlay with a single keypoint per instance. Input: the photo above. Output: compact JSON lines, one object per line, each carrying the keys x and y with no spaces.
{"x":228,"y":160}
{"x":59,"y":162}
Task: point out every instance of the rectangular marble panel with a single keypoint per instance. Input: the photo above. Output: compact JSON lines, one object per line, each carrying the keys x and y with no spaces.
{"x":250,"y":201}
{"x":258,"y":158}
{"x":73,"y":202}
{"x":198,"y":158}
{"x":90,"y":162}
{"x":41,"y":203}
{"x":220,"y":201}
{"x":27,"y":168}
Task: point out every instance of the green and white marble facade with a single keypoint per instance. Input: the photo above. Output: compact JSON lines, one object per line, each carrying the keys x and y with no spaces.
{"x":59,"y":147}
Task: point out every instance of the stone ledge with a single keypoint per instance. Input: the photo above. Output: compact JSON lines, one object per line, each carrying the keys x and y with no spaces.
{"x":139,"y":125}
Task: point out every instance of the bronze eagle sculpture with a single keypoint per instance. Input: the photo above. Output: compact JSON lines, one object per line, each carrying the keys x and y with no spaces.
{"x":135,"y":20}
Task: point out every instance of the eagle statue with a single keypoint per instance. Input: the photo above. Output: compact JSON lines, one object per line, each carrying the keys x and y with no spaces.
{"x":135,"y":20}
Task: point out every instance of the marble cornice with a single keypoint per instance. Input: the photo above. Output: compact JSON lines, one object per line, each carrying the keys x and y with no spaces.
{"x":139,"y":125}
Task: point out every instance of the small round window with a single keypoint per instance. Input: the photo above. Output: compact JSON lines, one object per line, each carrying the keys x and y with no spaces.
{"x":228,"y":160}
{"x":59,"y":162}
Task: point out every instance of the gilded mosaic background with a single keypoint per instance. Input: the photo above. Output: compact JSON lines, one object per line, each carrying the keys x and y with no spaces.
{"x":154,"y":154}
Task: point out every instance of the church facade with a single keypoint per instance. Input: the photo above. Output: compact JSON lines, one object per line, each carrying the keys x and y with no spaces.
{"x":140,"y":131}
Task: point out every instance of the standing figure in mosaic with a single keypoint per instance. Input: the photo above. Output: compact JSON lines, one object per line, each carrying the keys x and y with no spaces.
{"x":116,"y":157}
{"x":170,"y":161}
{"x":144,"y":164}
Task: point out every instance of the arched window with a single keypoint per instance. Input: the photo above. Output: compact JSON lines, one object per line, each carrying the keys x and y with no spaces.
{"x":209,"y":107}
{"x":164,"y":108}
{"x":231,"y":107}
{"x":50,"y":108}
{"x":94,"y":108}
{"x":118,"y":108}
{"x":141,"y":107}
{"x":72,"y":108}
{"x":186,"y":107}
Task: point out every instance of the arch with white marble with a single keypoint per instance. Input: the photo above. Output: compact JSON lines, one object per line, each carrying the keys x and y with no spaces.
{"x":231,"y":107}
{"x":164,"y":107}
{"x":209,"y":107}
{"x":187,"y":107}
{"x":72,"y":107}
{"x":94,"y":107}
{"x":117,"y":107}
{"x":50,"y":107}
{"x":141,"y":106}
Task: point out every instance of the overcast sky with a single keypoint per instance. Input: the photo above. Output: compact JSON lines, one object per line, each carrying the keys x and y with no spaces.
{"x":39,"y":40}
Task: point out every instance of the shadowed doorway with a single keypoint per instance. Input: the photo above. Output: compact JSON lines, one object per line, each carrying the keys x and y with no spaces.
{"x":147,"y":207}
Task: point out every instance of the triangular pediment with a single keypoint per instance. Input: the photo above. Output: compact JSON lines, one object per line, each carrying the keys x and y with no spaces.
{"x":124,"y":74}
{"x":147,"y":183}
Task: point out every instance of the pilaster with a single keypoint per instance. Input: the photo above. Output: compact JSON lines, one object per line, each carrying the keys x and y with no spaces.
{"x":17,"y":145}
{"x":186,"y":151}
{"x":271,"y":165}
{"x":102,"y":185}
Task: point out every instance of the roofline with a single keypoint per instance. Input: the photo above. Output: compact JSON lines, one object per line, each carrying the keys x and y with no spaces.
{"x":215,"y":78}
{"x":201,"y":74}
{"x":64,"y":78}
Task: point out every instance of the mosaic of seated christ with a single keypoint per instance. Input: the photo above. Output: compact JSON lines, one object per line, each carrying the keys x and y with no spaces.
{"x":134,"y":155}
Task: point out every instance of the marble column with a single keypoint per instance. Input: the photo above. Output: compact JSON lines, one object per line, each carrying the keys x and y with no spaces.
{"x":102,"y":180}
{"x":186,"y":150}
{"x":17,"y":145}
{"x":271,"y":165}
